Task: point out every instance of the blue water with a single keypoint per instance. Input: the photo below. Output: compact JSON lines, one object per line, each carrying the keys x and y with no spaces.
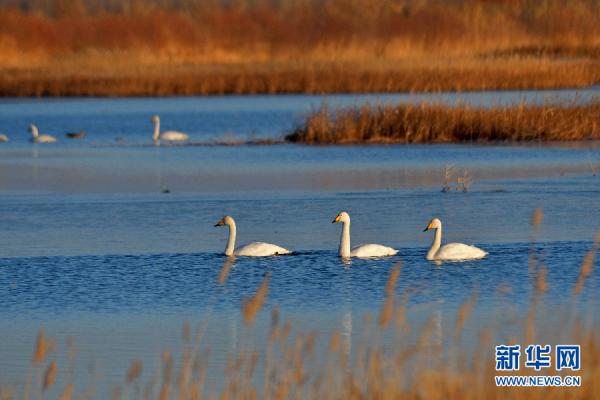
{"x":91,"y":247}
{"x":220,"y":118}
{"x":315,"y":281}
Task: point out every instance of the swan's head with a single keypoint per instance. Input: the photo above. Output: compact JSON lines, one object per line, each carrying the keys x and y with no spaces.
{"x":434,"y":224}
{"x":341,"y":217}
{"x":226,"y":220}
{"x":155,"y":119}
{"x":32,"y":128}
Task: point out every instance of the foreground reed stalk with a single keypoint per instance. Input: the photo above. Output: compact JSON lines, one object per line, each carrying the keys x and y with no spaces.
{"x":436,"y":123}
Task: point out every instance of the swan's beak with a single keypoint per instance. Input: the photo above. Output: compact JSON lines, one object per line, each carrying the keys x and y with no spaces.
{"x":428,"y":227}
{"x":220,"y":223}
{"x":336,"y":219}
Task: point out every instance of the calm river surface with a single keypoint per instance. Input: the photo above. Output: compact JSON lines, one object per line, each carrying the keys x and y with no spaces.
{"x":91,"y":247}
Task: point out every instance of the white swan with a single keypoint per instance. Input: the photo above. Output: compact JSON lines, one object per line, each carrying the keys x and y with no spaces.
{"x":450,"y":251}
{"x":362,"y":251}
{"x":37,"y":138}
{"x":169,"y":136}
{"x":255,"y":249}
{"x":3,"y":138}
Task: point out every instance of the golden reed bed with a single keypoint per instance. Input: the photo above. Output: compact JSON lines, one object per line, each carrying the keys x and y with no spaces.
{"x":296,"y":364}
{"x":159,"y":48}
{"x":435,"y":123}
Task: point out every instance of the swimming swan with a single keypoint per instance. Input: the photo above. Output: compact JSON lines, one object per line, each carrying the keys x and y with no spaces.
{"x":362,"y":251}
{"x":255,"y":249}
{"x":169,"y":136}
{"x":450,"y":251}
{"x":3,"y":138}
{"x":37,"y":138}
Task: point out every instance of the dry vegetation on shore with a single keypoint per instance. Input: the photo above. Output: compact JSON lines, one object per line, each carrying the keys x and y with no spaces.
{"x":435,"y":123}
{"x":101,"y":47}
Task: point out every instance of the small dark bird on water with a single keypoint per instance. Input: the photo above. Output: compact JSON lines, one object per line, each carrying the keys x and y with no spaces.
{"x":75,"y":135}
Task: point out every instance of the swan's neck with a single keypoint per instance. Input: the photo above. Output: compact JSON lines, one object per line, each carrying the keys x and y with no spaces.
{"x":231,"y":241}
{"x":345,"y":240}
{"x":156,"y":134}
{"x":435,"y":246}
{"x":35,"y":132}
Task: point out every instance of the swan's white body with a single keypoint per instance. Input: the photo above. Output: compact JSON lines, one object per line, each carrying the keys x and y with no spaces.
{"x":3,"y":138}
{"x":255,"y":249}
{"x":37,"y":138}
{"x":169,"y":136}
{"x":363,"y":250}
{"x":450,"y":251}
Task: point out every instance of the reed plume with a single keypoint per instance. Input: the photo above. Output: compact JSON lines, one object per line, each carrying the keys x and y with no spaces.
{"x":253,"y":305}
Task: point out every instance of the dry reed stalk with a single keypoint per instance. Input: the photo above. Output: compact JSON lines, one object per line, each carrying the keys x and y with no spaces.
{"x":464,"y":182}
{"x":540,"y":281}
{"x":50,"y":376}
{"x":587,"y":266}
{"x":386,"y":312}
{"x":426,"y":334}
{"x":186,"y":332}
{"x":448,"y":172}
{"x":388,"y":307}
{"x":537,"y":217}
{"x":67,"y":393}
{"x":531,"y":320}
{"x":400,"y":317}
{"x":41,"y":347}
{"x":541,"y":284}
{"x":164,"y":392}
{"x":390,"y":285}
{"x":134,"y":371}
{"x":275,"y":315}
{"x":463,"y":314}
{"x":334,"y":342}
{"x":225,"y":269}
{"x":185,"y":374}
{"x":253,"y":305}
{"x":167,"y":360}
{"x":6,"y":393}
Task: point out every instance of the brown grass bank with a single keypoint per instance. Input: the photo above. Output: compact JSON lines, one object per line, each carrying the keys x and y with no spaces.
{"x":435,"y":123}
{"x":81,"y":79}
{"x":185,"y":47}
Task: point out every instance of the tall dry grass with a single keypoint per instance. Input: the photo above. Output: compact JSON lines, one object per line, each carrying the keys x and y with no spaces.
{"x":435,"y":123}
{"x":96,"y":47}
{"x":299,"y":364}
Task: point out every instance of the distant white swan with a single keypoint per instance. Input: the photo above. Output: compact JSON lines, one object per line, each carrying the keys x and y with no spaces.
{"x":450,"y":251}
{"x":37,"y":138}
{"x":362,"y":251}
{"x":3,"y":138}
{"x":255,"y":249}
{"x":169,"y":136}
